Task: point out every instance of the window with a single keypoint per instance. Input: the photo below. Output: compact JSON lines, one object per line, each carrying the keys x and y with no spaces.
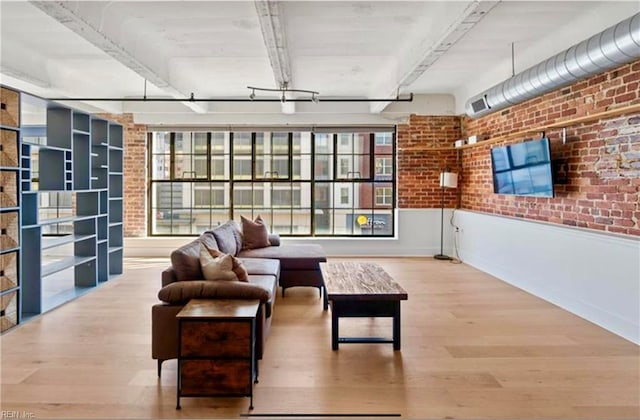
{"x":344,"y":195}
{"x":302,"y":183}
{"x":345,"y":168}
{"x":383,"y":166}
{"x":384,"y":196}
{"x":384,"y":139}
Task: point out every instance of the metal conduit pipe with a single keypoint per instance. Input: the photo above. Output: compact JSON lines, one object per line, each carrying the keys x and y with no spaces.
{"x":613,"y":47}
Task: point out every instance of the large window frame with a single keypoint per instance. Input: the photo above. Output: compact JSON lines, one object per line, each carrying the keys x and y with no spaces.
{"x":297,"y":180}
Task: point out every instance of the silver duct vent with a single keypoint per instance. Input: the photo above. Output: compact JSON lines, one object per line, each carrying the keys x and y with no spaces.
{"x":618,"y":45}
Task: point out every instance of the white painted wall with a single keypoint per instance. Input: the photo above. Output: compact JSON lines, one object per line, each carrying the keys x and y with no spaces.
{"x":417,"y":234}
{"x":591,"y":274}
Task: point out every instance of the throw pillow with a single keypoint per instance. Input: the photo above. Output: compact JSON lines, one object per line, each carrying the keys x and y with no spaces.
{"x":254,"y":233}
{"x":237,"y":266}
{"x":216,"y":268}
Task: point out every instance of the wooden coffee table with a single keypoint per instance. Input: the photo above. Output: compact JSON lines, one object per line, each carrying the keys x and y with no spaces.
{"x":361,"y":290}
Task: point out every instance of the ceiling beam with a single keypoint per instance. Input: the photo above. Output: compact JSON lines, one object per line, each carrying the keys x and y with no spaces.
{"x":25,"y":76}
{"x":275,"y":40}
{"x":421,"y":59}
{"x":68,"y":14}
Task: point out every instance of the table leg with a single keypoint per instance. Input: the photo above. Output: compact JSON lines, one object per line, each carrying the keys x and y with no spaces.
{"x":179,"y":365}
{"x":396,"y":326}
{"x":334,"y":328}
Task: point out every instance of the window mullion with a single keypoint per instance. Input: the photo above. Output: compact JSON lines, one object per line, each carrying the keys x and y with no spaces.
{"x":313,"y":184}
{"x":172,"y":156}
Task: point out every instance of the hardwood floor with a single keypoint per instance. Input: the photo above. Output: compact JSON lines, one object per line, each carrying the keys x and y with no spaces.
{"x":472,"y":347}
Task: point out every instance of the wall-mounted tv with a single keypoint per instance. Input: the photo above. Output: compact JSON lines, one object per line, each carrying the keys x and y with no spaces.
{"x":523,"y":168}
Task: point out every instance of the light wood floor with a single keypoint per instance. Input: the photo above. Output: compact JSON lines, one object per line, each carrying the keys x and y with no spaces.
{"x":472,"y":347}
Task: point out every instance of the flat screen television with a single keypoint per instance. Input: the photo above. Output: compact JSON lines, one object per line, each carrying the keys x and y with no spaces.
{"x":523,"y":168}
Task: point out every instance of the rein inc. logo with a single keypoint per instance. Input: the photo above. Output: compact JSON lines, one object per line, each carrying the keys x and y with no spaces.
{"x":15,"y":414}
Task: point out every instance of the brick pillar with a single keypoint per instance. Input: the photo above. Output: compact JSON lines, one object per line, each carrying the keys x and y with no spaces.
{"x":135,"y":174}
{"x":425,"y":148}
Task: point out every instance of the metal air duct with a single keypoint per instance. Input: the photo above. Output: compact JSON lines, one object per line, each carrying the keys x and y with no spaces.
{"x":618,"y":45}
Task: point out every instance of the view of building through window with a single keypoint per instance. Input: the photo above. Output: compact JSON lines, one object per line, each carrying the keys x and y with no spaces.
{"x":301,"y":183}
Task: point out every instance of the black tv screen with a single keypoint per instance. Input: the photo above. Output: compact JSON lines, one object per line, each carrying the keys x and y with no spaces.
{"x":523,"y":168}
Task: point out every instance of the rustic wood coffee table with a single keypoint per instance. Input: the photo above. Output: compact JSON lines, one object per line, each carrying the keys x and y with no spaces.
{"x":361,"y":290}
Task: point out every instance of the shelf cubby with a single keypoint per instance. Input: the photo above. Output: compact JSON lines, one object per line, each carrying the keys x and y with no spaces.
{"x":88,"y":203}
{"x":59,"y":127}
{"x":9,"y":151}
{"x":81,"y":122}
{"x":103,"y":261}
{"x":53,"y":171}
{"x":115,"y":186}
{"x":115,"y":211}
{"x":104,"y":202}
{"x":115,"y":160}
{"x":116,"y":135}
{"x":103,"y":228}
{"x":9,"y":188}
{"x":10,"y":110}
{"x":81,"y":165}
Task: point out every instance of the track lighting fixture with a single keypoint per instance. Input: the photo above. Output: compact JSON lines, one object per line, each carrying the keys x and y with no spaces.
{"x":284,"y":90}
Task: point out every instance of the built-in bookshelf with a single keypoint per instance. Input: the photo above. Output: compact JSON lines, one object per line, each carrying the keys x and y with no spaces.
{"x":67,"y":206}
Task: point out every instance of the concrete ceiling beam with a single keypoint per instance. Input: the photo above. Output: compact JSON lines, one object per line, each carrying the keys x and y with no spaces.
{"x":90,"y":28}
{"x":420,"y":59}
{"x":271,"y":20}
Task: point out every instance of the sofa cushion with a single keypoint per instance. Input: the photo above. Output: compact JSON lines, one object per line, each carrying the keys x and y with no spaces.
{"x":262,"y":266}
{"x":219,"y":267}
{"x":292,"y":257}
{"x":237,"y":266}
{"x":254,"y":233}
{"x":186,"y":259}
{"x":228,"y":238}
{"x":269,"y":284}
{"x":183,"y":291}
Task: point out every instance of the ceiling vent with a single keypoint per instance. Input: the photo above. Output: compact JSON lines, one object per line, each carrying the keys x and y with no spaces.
{"x":618,"y":45}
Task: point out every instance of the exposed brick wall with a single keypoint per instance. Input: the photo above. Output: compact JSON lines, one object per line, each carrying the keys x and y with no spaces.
{"x":135,"y":174}
{"x":601,"y":159}
{"x":424,"y":150}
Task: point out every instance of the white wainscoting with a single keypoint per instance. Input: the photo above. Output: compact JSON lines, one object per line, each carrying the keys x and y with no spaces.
{"x":591,"y":274}
{"x":417,"y":234}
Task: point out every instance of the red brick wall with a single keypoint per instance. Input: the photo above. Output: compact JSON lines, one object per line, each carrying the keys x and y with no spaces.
{"x":602,"y":158}
{"x":424,"y":150}
{"x":135,"y":174}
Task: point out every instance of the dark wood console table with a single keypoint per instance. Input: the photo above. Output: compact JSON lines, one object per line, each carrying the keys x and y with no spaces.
{"x":361,"y":290}
{"x":217,"y":340}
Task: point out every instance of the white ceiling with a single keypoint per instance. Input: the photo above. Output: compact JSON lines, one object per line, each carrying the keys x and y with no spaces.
{"x":363,"y":49}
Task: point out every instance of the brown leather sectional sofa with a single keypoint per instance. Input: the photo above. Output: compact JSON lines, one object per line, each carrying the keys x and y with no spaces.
{"x":287,"y":266}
